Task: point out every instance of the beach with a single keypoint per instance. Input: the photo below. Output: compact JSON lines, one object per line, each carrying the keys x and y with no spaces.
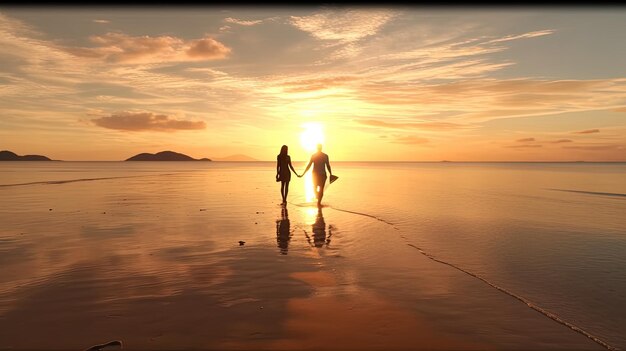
{"x":400,"y":257}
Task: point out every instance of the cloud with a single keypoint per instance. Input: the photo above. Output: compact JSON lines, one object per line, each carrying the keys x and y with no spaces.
{"x":525,"y":146}
{"x":560,"y":141}
{"x":207,"y":48}
{"x":483,"y":99}
{"x":101,"y":21}
{"x":595,"y":147}
{"x":436,"y":126}
{"x":411,"y":140}
{"x":523,"y":36}
{"x":242,"y":22}
{"x":206,"y":70}
{"x":619,"y":109}
{"x":588,"y":131}
{"x":525,"y":140}
{"x":343,"y":25}
{"x":122,"y":48}
{"x":313,"y":84}
{"x":143,"y":121}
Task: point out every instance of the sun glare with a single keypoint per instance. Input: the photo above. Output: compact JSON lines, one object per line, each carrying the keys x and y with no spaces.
{"x":312,"y":135}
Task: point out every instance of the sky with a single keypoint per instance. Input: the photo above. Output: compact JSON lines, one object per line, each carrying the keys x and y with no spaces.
{"x":372,"y":83}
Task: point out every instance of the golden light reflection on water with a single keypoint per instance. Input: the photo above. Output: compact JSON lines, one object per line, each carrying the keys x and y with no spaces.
{"x":309,"y":192}
{"x":310,"y":215}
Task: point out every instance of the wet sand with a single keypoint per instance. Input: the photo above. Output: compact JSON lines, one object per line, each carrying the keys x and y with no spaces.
{"x":155,"y":263}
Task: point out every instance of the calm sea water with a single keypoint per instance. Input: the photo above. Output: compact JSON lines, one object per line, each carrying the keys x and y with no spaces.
{"x":553,"y":234}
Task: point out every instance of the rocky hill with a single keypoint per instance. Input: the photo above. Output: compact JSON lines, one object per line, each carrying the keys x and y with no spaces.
{"x":6,"y":155}
{"x":164,"y":156}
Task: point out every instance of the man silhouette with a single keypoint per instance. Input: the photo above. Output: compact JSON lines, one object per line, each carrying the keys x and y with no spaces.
{"x":319,"y":160}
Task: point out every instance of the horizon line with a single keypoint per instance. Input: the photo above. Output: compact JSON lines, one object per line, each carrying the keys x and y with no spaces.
{"x":365,"y":161}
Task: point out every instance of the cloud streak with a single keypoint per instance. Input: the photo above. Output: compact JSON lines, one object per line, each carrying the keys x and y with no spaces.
{"x":595,"y":147}
{"x":434,"y":126}
{"x":523,"y":36}
{"x":146,"y":121}
{"x":523,"y":146}
{"x":242,"y":22}
{"x":588,"y":131}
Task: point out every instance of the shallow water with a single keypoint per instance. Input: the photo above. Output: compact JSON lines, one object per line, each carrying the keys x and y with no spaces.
{"x":81,"y":248}
{"x":554,"y":234}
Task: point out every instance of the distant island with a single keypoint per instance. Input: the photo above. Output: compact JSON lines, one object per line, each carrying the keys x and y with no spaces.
{"x":6,"y":155}
{"x":164,"y":156}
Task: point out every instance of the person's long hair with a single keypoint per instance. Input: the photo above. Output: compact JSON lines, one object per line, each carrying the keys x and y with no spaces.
{"x":283,"y":151}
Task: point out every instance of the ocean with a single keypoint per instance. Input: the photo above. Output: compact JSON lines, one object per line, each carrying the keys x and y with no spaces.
{"x":85,"y":240}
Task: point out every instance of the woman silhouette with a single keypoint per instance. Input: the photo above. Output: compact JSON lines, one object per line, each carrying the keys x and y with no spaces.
{"x":283,"y":164}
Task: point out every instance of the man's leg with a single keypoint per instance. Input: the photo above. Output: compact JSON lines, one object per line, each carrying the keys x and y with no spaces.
{"x":322,"y":182}
{"x":315,"y":186}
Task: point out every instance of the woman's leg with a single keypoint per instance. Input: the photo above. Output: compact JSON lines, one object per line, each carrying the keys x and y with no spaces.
{"x":286,"y":192}
{"x":282,"y":191}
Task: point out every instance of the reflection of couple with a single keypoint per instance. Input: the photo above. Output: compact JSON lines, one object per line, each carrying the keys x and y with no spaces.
{"x":320,"y":162}
{"x":319,"y":230}
{"x":283,"y":231}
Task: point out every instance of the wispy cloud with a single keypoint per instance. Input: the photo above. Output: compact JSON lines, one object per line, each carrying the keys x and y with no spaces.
{"x":432,"y":125}
{"x":146,"y":121}
{"x":596,"y":147}
{"x":524,"y":140}
{"x":523,"y":36}
{"x":524,"y":146}
{"x":343,"y":25}
{"x":101,"y":21}
{"x":482,"y":99}
{"x":560,"y":141}
{"x":313,"y":84}
{"x":588,"y":131}
{"x":242,"y":22}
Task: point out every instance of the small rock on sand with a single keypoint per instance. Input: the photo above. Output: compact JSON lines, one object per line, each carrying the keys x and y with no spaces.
{"x":111,"y":345}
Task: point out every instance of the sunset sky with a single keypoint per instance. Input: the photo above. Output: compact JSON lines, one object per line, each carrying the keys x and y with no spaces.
{"x":389,"y":84}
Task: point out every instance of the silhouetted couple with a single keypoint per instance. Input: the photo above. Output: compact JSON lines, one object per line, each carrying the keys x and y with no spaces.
{"x":320,"y":162}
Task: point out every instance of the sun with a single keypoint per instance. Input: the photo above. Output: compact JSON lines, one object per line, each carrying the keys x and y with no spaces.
{"x":312,"y":135}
